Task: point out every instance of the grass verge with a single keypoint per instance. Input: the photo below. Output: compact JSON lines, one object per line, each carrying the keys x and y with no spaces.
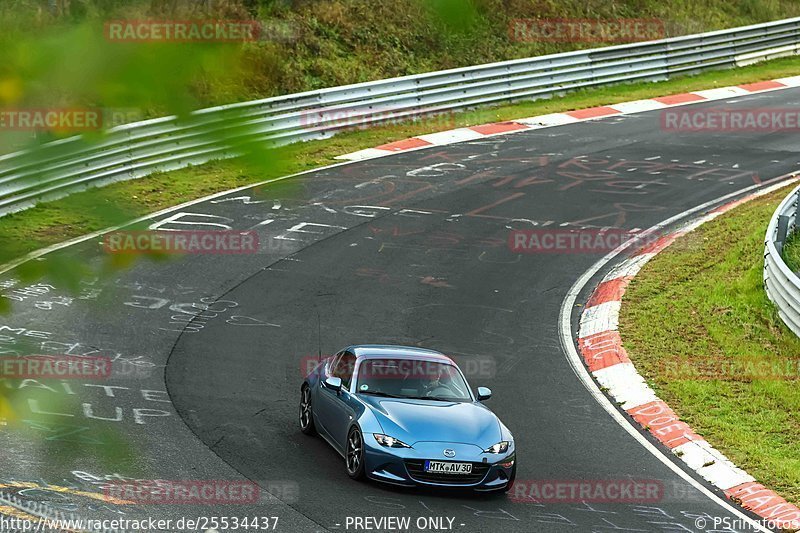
{"x":95,"y":209}
{"x":697,"y":324}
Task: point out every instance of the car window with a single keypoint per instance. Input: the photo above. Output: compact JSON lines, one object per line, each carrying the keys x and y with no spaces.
{"x":410,"y":378}
{"x":344,"y":368}
{"x":333,"y":362}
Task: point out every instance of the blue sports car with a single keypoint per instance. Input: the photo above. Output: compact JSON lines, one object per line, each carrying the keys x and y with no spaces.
{"x":407,"y":416}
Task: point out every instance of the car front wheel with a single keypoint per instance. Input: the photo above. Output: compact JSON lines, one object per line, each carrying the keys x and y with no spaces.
{"x":355,"y":454}
{"x":306,"y":412}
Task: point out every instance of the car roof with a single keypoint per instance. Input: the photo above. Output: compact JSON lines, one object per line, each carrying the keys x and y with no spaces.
{"x":374,"y":351}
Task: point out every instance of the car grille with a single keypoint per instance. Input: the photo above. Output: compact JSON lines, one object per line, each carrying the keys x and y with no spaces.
{"x":416,"y":469}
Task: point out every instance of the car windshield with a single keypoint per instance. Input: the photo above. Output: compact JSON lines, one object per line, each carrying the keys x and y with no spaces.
{"x":413,"y":379}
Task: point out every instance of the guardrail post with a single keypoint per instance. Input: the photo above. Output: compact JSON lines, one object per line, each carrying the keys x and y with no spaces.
{"x":783,"y":230}
{"x":796,"y":212}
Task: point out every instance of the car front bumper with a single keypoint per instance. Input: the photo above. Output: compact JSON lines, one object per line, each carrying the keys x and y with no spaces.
{"x":405,"y":466}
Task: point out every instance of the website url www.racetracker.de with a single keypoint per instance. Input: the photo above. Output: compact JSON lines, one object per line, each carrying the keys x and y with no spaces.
{"x":202,"y":523}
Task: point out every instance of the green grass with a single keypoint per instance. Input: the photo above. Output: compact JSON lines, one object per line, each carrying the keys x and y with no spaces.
{"x":696,"y":322}
{"x":791,"y":251}
{"x":95,"y":209}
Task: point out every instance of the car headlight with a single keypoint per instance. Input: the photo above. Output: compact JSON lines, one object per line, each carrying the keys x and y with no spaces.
{"x":389,"y":442}
{"x":500,"y":447}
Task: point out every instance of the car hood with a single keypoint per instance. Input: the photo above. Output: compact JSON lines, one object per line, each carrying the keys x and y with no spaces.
{"x":414,"y":421}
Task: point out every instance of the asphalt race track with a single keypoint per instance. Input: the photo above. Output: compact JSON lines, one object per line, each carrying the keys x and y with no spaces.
{"x":408,"y":249}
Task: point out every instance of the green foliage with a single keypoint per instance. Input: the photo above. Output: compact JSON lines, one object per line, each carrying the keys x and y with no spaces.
{"x":64,"y":60}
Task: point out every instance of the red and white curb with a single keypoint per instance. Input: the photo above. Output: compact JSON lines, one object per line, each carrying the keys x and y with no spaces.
{"x":601,"y":347}
{"x":570,"y":117}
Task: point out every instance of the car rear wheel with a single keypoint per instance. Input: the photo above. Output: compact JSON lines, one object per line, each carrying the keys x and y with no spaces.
{"x":306,"y":412}
{"x":355,"y":454}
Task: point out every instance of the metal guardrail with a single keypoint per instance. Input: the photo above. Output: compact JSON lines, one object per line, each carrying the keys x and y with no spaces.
{"x":134,"y":150}
{"x":783,"y":285}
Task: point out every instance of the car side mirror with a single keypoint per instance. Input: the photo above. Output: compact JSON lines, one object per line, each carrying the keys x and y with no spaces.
{"x":333,"y":383}
{"x":484,"y":393}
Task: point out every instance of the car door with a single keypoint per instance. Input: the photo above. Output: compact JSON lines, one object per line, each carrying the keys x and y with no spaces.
{"x":339,"y":406}
{"x":324,"y":400}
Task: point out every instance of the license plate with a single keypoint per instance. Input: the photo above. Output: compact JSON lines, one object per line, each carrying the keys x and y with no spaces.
{"x":442,"y":467}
